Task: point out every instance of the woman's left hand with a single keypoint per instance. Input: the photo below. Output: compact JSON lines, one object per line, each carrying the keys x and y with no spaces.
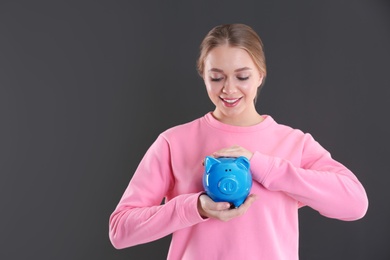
{"x":233,"y":151}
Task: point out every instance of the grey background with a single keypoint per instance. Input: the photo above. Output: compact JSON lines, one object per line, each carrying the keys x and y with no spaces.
{"x":86,"y":87}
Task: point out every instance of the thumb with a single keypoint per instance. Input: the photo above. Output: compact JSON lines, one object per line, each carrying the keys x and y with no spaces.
{"x":218,"y":206}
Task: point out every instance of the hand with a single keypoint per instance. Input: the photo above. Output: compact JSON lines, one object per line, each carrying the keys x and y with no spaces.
{"x":221,"y":210}
{"x":233,"y":151}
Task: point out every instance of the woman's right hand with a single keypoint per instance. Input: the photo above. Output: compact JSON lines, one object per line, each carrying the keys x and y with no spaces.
{"x":221,"y":210}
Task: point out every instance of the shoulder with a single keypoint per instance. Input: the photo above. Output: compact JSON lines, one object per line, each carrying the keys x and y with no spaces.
{"x":286,"y":132}
{"x":285,"y":129}
{"x":182,"y":130}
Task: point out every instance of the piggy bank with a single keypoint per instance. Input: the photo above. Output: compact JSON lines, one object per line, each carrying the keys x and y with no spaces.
{"x":227,"y":179}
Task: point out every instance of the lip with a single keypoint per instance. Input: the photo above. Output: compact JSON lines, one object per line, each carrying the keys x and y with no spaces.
{"x":230,"y":102}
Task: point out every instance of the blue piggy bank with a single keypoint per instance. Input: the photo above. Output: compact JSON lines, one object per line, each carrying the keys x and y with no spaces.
{"x":227,"y":179}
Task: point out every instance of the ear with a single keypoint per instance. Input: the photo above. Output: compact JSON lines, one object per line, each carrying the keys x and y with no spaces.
{"x":209,"y":162}
{"x":261,"y":79}
{"x":243,"y":161}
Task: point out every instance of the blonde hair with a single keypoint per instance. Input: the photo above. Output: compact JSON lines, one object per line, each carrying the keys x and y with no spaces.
{"x":234,"y":35}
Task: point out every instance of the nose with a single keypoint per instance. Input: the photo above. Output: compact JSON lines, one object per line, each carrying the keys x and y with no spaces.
{"x":228,"y":185}
{"x":228,"y":86}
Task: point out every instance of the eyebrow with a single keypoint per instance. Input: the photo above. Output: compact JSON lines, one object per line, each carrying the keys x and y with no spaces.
{"x":237,"y":70}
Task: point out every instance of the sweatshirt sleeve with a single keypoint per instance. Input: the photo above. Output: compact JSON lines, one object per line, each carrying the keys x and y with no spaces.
{"x":140,"y":217}
{"x":319,"y":182}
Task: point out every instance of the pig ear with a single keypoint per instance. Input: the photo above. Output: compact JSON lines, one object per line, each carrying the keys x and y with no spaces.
{"x":243,"y":161}
{"x":209,"y":162}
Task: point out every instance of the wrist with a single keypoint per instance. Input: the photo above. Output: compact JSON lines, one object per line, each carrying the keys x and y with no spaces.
{"x":201,"y":211}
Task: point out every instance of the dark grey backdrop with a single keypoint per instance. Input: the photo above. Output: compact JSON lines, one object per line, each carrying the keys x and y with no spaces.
{"x":86,"y":87}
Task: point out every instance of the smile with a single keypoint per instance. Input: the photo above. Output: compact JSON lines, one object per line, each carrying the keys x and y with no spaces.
{"x":230,"y":102}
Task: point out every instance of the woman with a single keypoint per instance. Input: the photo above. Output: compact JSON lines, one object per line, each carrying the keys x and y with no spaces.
{"x":289,"y":170}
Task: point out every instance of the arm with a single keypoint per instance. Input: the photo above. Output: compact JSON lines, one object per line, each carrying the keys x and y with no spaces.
{"x":319,"y":182}
{"x":139,"y":217}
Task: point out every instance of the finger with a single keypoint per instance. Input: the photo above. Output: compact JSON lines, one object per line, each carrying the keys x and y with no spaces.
{"x":220,"y":206}
{"x":231,"y":150}
{"x":233,"y":153}
{"x":247,"y":203}
{"x":233,"y":213}
{"x":226,"y":153}
{"x":216,"y":206}
{"x":210,"y":205}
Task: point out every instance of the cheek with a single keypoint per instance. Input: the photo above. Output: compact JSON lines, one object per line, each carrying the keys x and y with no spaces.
{"x":213,"y":87}
{"x":249,"y":88}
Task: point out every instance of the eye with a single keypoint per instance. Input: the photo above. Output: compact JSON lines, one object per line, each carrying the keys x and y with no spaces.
{"x":242,"y":78}
{"x":216,"y":79}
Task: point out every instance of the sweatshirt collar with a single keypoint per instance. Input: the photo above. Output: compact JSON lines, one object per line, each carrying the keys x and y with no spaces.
{"x":213,"y":122}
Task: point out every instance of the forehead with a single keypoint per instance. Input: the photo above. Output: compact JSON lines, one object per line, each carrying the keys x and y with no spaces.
{"x":228,"y":58}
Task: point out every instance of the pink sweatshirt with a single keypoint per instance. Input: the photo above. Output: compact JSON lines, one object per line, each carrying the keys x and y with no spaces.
{"x":290,"y":169}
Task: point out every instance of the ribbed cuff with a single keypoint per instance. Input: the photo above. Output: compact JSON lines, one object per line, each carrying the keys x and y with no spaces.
{"x":261,"y":165}
{"x":190,"y":213}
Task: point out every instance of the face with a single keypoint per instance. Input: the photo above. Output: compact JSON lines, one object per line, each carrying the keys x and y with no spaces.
{"x":232,"y":79}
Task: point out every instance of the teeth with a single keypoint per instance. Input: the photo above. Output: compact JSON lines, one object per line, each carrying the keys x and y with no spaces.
{"x":230,"y":101}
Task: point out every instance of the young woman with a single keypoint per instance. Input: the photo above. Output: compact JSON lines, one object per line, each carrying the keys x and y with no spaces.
{"x":289,"y":170}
